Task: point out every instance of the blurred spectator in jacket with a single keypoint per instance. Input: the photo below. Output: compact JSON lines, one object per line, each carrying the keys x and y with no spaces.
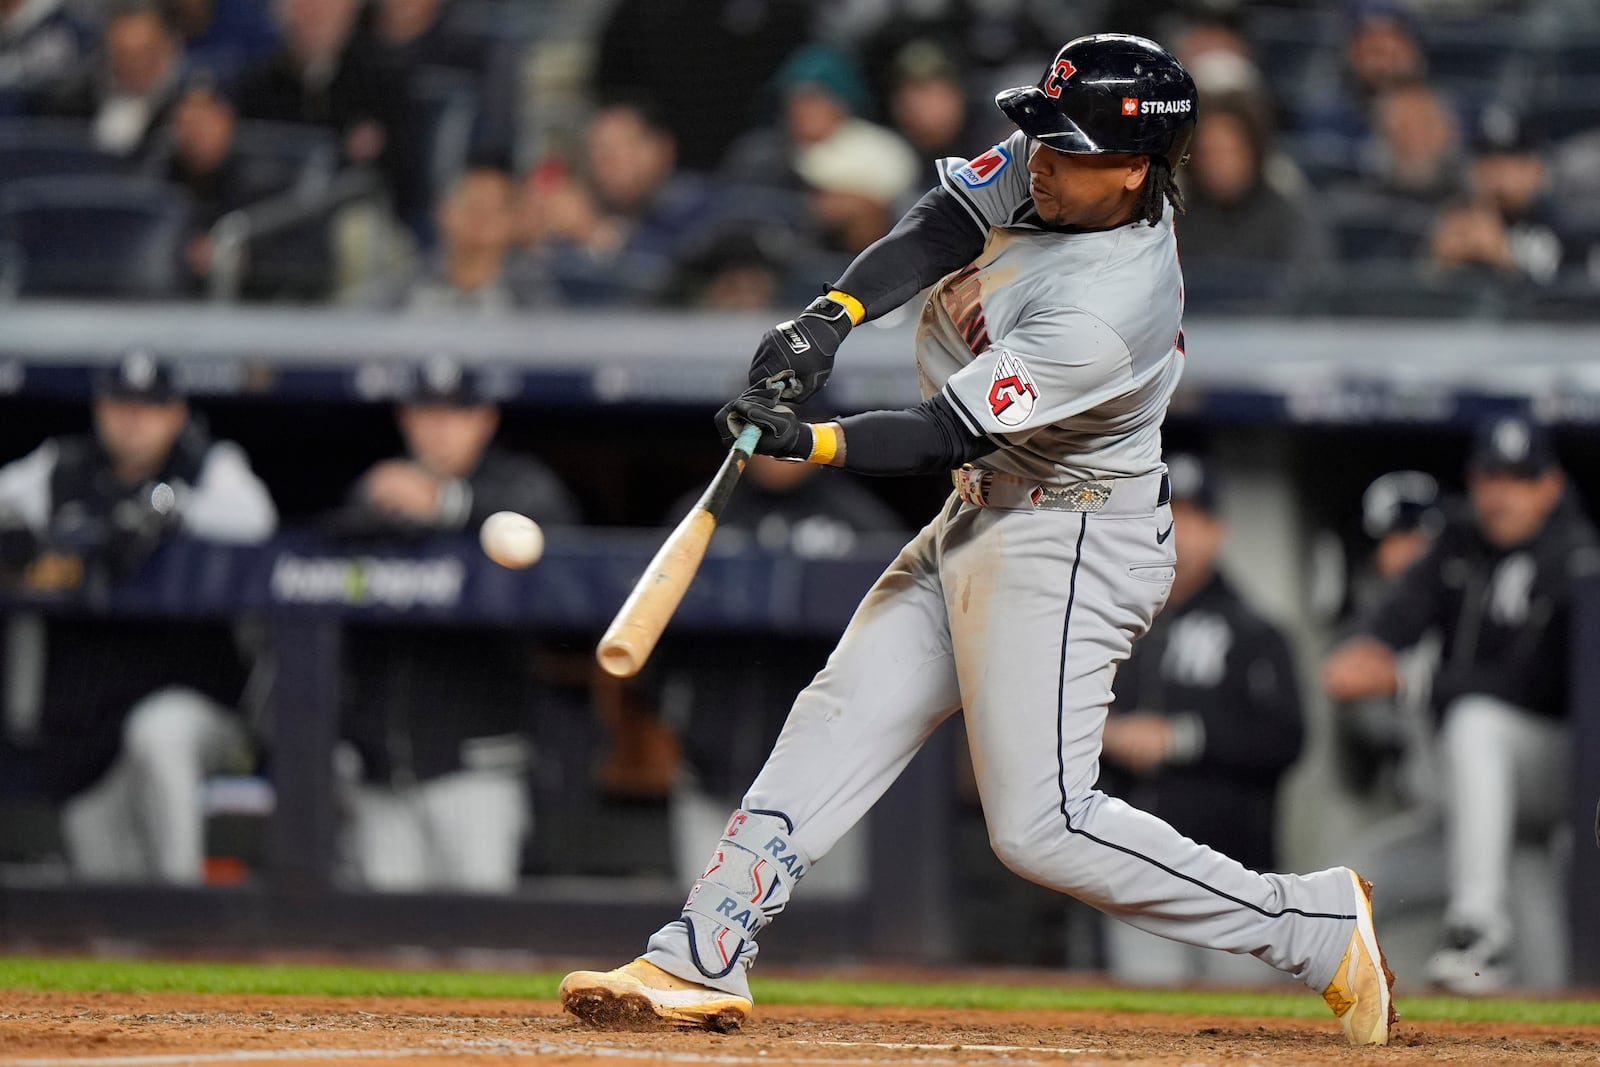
{"x":1496,"y":587}
{"x":476,"y":224}
{"x":222,"y":37}
{"x":1382,"y":52}
{"x":1206,"y":720}
{"x":1471,"y":237}
{"x":129,"y":91}
{"x":40,"y":43}
{"x":708,"y":84}
{"x":1236,"y":220}
{"x":819,"y":91}
{"x":615,"y":231}
{"x":413,"y":33}
{"x":929,"y":106}
{"x":435,"y":720}
{"x":1416,"y":150}
{"x":324,"y":74}
{"x":852,"y":172}
{"x":201,"y":159}
{"x":203,"y":156}
{"x":1510,"y":175}
{"x":740,"y":267}
{"x":136,"y":714}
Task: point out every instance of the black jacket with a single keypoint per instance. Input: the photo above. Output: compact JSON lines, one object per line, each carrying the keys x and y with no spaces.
{"x":1503,"y":617}
{"x":416,"y":698}
{"x":1213,"y":661}
{"x":362,"y":89}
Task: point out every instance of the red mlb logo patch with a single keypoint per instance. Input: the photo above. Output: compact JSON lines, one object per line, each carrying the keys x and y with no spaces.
{"x":1130,"y":105}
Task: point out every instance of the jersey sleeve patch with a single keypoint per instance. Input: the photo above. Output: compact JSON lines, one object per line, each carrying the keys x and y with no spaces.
{"x":1012,"y":394}
{"x":983,"y":170}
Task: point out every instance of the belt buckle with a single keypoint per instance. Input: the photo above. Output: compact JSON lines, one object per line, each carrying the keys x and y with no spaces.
{"x":1088,"y":496}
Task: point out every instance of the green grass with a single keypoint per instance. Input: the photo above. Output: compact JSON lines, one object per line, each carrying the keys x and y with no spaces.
{"x":18,"y":973}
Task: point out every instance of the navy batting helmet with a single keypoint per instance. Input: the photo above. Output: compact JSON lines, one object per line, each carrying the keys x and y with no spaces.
{"x":1109,"y":93}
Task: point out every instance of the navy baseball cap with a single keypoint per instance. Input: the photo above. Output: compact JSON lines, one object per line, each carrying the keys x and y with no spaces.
{"x":1511,"y":444}
{"x":442,"y":379}
{"x":1192,"y":480}
{"x":138,"y":375}
{"x":1398,"y":501}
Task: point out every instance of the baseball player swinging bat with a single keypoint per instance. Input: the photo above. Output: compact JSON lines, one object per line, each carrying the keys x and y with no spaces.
{"x":633,"y":634}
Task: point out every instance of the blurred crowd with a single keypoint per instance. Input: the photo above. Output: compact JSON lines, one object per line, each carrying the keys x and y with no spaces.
{"x":1385,"y":157}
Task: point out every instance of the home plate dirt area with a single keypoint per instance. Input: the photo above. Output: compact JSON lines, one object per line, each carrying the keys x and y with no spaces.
{"x":154,"y":1029}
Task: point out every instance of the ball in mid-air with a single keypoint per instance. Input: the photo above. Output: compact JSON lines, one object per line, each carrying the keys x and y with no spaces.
{"x":511,"y":540}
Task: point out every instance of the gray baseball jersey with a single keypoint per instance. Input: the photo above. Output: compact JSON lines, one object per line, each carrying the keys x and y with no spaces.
{"x":1064,"y":349}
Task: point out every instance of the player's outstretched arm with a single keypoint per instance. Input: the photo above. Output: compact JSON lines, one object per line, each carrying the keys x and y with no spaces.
{"x":934,"y":238}
{"x":929,"y":437}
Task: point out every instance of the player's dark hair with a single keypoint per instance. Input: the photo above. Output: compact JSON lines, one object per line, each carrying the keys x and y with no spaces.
{"x":1159,"y":187}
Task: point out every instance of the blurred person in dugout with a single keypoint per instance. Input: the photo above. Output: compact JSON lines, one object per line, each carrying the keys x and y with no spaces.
{"x":717,"y":695}
{"x":434,"y":722}
{"x":1383,"y":744}
{"x":1495,"y":586}
{"x":1205,"y":722}
{"x":130,"y":716}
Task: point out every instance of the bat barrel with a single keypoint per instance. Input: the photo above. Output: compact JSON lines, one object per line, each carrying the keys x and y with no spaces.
{"x":620,"y":655}
{"x":633,"y":634}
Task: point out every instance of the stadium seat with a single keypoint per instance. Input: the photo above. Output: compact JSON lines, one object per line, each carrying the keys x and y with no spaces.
{"x":1558,"y":70}
{"x":35,"y":148}
{"x":1327,"y":160}
{"x":102,"y":237}
{"x":1401,"y":290}
{"x":1481,"y":49}
{"x":1294,"y":47}
{"x":501,"y":34}
{"x":1221,"y":288}
{"x":1571,"y":298}
{"x":285,"y":156}
{"x":1552,"y":121}
{"x":444,"y":106}
{"x":1369,"y":226}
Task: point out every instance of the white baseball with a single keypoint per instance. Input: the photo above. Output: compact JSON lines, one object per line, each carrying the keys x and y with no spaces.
{"x":511,"y":540}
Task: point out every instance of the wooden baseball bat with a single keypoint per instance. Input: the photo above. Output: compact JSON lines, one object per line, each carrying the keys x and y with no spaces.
{"x":633,"y":634}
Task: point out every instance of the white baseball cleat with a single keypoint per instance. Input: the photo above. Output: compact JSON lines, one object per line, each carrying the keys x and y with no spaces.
{"x":641,"y":996}
{"x":1472,"y":962}
{"x":1361,"y":993}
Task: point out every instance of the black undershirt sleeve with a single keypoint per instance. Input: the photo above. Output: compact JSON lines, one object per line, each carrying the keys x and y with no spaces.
{"x":921,"y":440}
{"x":934,"y":238}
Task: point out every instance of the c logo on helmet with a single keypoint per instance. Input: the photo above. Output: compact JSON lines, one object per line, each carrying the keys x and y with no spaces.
{"x":1058,"y":78}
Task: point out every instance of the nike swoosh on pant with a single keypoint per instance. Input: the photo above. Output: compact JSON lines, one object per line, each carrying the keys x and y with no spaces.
{"x":1161,"y":538}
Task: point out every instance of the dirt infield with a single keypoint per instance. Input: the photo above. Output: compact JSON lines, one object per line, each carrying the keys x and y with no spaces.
{"x":155,"y":1029}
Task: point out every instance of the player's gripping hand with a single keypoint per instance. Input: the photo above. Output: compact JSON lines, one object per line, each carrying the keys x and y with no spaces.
{"x":800,"y":352}
{"x":782,"y":433}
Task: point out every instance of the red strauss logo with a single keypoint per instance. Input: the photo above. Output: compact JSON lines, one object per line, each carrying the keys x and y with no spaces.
{"x":1130,"y":105}
{"x":1058,"y":77}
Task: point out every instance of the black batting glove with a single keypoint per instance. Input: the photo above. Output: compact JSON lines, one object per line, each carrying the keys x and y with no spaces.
{"x":783,"y":434}
{"x":800,"y":352}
